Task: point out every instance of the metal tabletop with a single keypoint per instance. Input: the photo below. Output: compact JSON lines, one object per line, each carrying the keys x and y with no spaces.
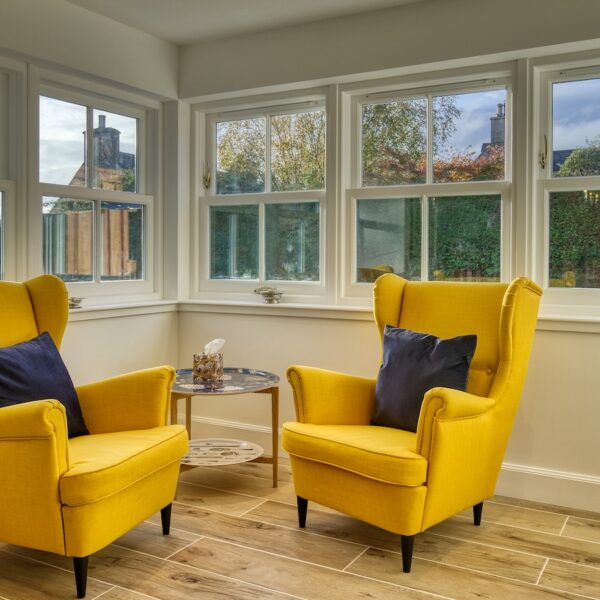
{"x":236,"y":380}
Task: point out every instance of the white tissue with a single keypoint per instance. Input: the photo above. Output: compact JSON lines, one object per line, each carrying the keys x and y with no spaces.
{"x":214,"y":346}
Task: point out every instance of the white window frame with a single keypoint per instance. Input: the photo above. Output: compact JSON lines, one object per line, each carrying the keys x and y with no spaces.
{"x":205,"y":120}
{"x":7,"y":234}
{"x":353,"y":292}
{"x":148,"y":114}
{"x":556,"y":301}
{"x":12,"y":188}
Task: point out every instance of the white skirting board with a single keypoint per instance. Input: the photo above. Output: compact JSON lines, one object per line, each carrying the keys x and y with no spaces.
{"x":562,"y":488}
{"x":525,"y":482}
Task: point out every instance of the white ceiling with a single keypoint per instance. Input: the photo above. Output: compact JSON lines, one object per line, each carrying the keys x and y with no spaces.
{"x":189,"y":21}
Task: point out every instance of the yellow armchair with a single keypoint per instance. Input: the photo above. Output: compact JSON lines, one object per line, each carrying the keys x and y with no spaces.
{"x":75,"y":496}
{"x":398,"y":480}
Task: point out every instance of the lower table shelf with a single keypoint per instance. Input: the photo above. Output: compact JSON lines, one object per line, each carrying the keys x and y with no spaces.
{"x":220,"y":451}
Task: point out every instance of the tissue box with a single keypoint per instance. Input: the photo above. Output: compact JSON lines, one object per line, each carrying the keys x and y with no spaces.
{"x":208,"y":367}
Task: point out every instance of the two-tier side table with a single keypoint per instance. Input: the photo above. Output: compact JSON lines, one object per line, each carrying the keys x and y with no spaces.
{"x":235,"y":381}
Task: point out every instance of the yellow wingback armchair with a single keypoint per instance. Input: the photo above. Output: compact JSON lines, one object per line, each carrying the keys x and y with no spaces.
{"x":75,"y":496}
{"x":401,"y":481}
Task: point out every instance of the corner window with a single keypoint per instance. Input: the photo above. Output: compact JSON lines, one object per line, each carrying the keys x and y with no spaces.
{"x":96,"y":213}
{"x":12,"y":128}
{"x":263,"y":210}
{"x":569,"y":183}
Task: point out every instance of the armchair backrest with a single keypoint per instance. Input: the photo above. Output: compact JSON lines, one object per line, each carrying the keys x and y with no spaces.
{"x":503,"y":316}
{"x":32,"y":307}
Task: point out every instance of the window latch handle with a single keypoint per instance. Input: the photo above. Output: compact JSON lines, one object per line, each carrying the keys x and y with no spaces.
{"x":543,"y":156}
{"x":206,"y":177}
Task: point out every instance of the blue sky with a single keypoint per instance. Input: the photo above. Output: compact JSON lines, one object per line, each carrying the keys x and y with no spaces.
{"x":576,"y":113}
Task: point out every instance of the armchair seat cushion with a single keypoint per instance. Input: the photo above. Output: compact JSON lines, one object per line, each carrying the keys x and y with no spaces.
{"x":104,"y":464}
{"x":381,"y":453}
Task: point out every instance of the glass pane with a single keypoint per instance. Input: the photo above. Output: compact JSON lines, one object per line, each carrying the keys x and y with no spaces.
{"x":292,"y":241}
{"x":122,"y":241}
{"x":241,"y":150}
{"x":68,"y":238}
{"x":575,"y":239}
{"x":468,"y":136}
{"x":576,"y":128}
{"x":62,"y":142}
{"x":394,"y":141}
{"x":464,"y":238}
{"x":298,"y":151}
{"x":4,"y":125}
{"x":388,"y":238}
{"x":115,"y":151}
{"x":234,"y":242}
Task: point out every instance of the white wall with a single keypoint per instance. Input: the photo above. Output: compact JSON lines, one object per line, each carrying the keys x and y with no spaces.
{"x":554,"y":453}
{"x":67,"y":35}
{"x":554,"y":449}
{"x":414,"y":34}
{"x":112,"y":345}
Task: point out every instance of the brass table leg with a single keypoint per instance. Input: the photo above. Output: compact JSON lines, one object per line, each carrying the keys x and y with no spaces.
{"x":188,"y":411}
{"x":188,"y":415}
{"x":275,"y":430}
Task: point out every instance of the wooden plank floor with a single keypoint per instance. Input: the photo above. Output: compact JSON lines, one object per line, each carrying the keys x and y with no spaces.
{"x":235,"y":538}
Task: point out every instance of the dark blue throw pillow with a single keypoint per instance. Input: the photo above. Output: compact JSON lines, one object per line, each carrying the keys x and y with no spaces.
{"x":413,"y":363}
{"x":34,"y":370}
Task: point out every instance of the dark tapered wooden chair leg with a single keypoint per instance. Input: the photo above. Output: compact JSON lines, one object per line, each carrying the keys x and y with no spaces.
{"x":407,"y":542}
{"x":165,"y":519}
{"x":477,"y":509}
{"x":80,"y":564}
{"x":302,"y":508}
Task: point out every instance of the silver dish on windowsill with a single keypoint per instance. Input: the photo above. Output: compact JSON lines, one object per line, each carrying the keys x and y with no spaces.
{"x":270,"y":295}
{"x":75,"y":302}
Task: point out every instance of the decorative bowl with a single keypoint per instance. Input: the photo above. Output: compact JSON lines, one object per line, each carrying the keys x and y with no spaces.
{"x":75,"y":302}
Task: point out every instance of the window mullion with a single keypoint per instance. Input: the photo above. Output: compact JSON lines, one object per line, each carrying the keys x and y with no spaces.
{"x":268,"y":154}
{"x":262,"y":236}
{"x":97,"y":241}
{"x":424,"y":237}
{"x":89,"y":147}
{"x":429,"y":148}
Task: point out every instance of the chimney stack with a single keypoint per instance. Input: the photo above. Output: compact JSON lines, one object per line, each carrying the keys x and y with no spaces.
{"x":497,"y":125}
{"x":106,"y":145}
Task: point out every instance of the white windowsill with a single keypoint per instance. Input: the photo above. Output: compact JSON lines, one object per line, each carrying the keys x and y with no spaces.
{"x":582,"y":323}
{"x":124,"y":309}
{"x":312,"y":311}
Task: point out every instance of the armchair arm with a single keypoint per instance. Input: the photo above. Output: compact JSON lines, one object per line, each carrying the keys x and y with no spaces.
{"x":327,"y":397}
{"x":458,"y":435}
{"x":447,"y":404}
{"x":33,"y":457}
{"x":137,"y":400}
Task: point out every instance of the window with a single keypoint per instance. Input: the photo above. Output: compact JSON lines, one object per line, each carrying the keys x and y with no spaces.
{"x":430,"y":187}
{"x":96,"y":213}
{"x":1,"y":235}
{"x":569,"y":184}
{"x":263,"y":210}
{"x":12,"y":94}
{"x":4,"y":151}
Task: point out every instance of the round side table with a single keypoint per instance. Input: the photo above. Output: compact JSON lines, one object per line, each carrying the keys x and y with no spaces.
{"x":235,"y":381}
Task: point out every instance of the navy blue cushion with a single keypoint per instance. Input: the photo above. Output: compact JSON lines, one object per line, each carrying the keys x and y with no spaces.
{"x":413,"y":363}
{"x":34,"y":370}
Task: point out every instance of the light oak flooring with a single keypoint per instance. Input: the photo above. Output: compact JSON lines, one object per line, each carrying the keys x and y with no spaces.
{"x":234,"y":537}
